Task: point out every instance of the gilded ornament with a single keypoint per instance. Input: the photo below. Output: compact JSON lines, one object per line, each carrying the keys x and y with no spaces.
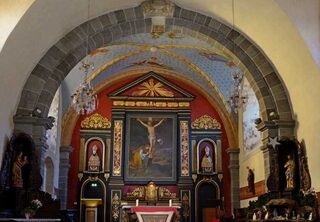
{"x":206,"y":122}
{"x":96,"y":121}
{"x":152,"y":88}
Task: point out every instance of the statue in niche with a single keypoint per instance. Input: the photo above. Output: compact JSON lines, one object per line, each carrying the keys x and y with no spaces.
{"x":206,"y":162}
{"x":290,"y":167}
{"x":20,"y":161}
{"x":94,"y":160}
{"x":250,"y":180}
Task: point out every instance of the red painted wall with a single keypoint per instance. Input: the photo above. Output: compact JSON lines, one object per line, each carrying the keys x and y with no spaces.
{"x":199,"y":106}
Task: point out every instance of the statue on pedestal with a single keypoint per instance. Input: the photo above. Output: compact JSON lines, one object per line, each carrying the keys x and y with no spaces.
{"x":94,"y":160}
{"x":290,"y":167}
{"x":206,"y":162}
{"x":17,"y":180}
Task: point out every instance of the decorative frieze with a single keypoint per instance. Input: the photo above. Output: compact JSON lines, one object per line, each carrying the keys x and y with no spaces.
{"x":117,"y":147}
{"x":184,"y":143}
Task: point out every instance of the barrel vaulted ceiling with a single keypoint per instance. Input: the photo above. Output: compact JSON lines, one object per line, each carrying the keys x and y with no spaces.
{"x":193,"y":58}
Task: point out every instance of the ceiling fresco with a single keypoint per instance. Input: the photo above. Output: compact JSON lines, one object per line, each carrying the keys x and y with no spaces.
{"x":192,"y":57}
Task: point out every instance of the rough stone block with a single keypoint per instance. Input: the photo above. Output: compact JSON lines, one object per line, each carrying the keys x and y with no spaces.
{"x":98,"y":40}
{"x":80,"y":52}
{"x":105,"y":21}
{"x":46,"y":98}
{"x":52,"y":86}
{"x":120,"y":16}
{"x":71,"y":60}
{"x":107,"y":36}
{"x":177,"y":12}
{"x":48,"y":62}
{"x":64,"y":67}
{"x":112,"y":18}
{"x":116,"y":32}
{"x":140,"y":26}
{"x":129,"y":14}
{"x":41,"y":72}
{"x":188,"y":15}
{"x":266,"y":68}
{"x":252,"y":51}
{"x":34,"y":84}
{"x":214,"y":24}
{"x":28,"y":99}
{"x":224,"y":29}
{"x":126,"y":29}
{"x":138,"y":11}
{"x":96,"y":25}
{"x":56,"y":53}
{"x":200,"y":19}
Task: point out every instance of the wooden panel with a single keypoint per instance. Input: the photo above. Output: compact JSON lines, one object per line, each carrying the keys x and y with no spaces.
{"x":259,"y":190}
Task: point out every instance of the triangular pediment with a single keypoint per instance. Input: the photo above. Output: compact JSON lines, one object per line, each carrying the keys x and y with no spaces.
{"x":151,"y":87}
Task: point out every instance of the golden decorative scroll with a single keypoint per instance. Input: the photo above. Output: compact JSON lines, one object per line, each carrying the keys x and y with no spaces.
{"x":184,"y":141}
{"x":95,"y":121}
{"x":206,"y":122}
{"x":137,"y":193}
{"x":117,"y":147}
{"x":164,"y":193}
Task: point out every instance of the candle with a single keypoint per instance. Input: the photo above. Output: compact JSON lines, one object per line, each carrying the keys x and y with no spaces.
{"x":170,"y":202}
{"x":137,"y":202}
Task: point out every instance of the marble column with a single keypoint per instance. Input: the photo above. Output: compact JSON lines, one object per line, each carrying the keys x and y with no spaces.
{"x":63,"y":175}
{"x":234,"y":176}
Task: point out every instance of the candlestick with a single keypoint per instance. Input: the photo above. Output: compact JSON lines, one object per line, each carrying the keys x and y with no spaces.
{"x":170,"y":202}
{"x":137,"y":202}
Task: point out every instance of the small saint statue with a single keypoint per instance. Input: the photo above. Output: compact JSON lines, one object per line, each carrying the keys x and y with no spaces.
{"x":17,"y":180}
{"x":206,"y":162}
{"x":290,"y":166}
{"x":94,"y":160}
{"x":250,"y":180}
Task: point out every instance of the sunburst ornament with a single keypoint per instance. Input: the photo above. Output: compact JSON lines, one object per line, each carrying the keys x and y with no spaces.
{"x":152,"y":89}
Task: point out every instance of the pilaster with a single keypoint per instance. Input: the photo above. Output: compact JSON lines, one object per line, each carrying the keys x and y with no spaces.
{"x":63,"y":175}
{"x":234,"y":176}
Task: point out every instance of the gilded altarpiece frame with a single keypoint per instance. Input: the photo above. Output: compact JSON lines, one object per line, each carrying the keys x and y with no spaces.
{"x":184,"y":146}
{"x":117,"y":147}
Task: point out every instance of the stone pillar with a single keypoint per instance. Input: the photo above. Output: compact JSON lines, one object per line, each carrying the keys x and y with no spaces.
{"x":63,"y":175}
{"x":234,"y":176}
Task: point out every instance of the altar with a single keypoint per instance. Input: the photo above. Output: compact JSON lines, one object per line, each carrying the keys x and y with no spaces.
{"x":154,"y":213}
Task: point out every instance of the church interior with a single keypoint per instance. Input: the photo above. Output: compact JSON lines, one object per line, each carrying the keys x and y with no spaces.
{"x":159,"y":110}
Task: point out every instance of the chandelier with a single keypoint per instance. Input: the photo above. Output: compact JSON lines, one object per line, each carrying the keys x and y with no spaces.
{"x":236,"y":99}
{"x":84,"y":100}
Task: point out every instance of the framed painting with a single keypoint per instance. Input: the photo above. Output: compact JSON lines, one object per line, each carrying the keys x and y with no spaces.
{"x":150,"y":150}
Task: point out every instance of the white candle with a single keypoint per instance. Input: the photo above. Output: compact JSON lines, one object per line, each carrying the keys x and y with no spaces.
{"x":170,"y":202}
{"x":137,"y":202}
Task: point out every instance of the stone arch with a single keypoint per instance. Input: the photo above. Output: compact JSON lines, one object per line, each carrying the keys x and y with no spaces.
{"x":48,"y":74}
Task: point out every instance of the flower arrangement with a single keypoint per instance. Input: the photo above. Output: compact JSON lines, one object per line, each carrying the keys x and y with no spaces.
{"x":33,"y":206}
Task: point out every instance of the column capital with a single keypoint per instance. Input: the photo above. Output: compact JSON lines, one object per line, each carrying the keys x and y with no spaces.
{"x":46,"y":122}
